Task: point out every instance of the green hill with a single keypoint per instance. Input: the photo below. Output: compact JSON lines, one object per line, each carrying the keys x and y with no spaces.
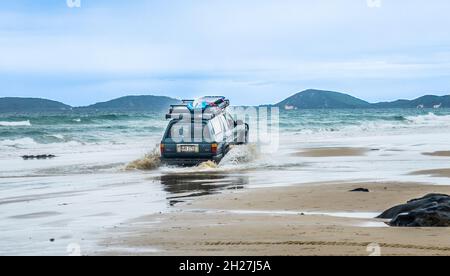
{"x":429,"y":101}
{"x":317,"y":99}
{"x":308,"y":99}
{"x":27,"y":105}
{"x":135,"y":103}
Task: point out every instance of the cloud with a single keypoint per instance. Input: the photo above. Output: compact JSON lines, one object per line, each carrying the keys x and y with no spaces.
{"x":245,"y":46}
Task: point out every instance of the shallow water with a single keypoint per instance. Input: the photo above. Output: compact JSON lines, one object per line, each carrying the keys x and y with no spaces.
{"x":86,"y":190}
{"x":356,"y":215}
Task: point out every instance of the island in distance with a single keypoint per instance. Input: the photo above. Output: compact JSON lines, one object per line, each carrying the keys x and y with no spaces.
{"x":308,"y":99}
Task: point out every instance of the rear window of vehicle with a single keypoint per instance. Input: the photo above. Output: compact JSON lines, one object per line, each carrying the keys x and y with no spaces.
{"x":187,"y":132}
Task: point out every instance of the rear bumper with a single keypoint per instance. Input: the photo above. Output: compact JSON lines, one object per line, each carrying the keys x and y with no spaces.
{"x":189,"y":161}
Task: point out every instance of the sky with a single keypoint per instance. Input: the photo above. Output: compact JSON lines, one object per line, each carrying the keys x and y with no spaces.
{"x":252,"y":51}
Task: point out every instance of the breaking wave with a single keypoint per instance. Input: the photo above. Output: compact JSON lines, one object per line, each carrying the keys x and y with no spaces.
{"x":429,"y":119}
{"x":354,"y":125}
{"x":18,"y":142}
{"x":13,"y":124}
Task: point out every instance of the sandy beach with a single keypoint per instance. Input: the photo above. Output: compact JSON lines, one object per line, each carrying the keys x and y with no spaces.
{"x":293,"y":201}
{"x":314,"y":219}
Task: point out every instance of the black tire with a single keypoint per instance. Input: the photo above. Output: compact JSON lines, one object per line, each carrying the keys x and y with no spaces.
{"x":247,"y":130}
{"x":242,"y":136}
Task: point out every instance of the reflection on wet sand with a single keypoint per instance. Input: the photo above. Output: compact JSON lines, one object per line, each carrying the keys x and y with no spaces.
{"x":189,"y":185}
{"x":438,"y":153}
{"x":332,"y":152}
{"x":434,"y":173}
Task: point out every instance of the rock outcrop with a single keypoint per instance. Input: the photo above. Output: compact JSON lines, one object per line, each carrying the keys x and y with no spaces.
{"x":432,"y":210}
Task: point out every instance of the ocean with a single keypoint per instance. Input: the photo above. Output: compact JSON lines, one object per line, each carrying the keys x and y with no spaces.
{"x":35,"y":131}
{"x":50,"y":206}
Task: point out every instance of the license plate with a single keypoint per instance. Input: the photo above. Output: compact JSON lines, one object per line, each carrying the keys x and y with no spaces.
{"x":187,"y":148}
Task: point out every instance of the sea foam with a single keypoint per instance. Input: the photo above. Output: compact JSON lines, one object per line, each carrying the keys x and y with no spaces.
{"x":429,"y":119}
{"x":18,"y":142}
{"x":13,"y":124}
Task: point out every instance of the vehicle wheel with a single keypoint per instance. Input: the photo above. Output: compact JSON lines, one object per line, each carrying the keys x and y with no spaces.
{"x":241,"y":137}
{"x":247,"y":130}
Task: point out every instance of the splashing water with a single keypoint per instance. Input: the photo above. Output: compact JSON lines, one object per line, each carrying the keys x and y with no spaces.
{"x":233,"y":160}
{"x":150,"y":161}
{"x":207,"y":165}
{"x":241,"y":154}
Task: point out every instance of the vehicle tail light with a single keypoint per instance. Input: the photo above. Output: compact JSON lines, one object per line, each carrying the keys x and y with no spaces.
{"x":162,"y":147}
{"x":214,"y":148}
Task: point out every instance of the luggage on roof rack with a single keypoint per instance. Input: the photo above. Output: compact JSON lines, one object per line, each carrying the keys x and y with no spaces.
{"x":177,"y":111}
{"x":187,"y":101}
{"x":209,"y":106}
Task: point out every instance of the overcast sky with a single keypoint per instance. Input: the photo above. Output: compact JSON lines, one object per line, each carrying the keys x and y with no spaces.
{"x":253,"y":51}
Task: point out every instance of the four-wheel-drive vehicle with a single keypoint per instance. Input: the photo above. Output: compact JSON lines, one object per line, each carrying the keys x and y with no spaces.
{"x":201,"y":130}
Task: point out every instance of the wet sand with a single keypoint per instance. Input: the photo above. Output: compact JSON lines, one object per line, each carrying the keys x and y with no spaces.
{"x":224,"y":224}
{"x":444,"y":172}
{"x":438,"y":153}
{"x":332,"y":152}
{"x":434,"y":173}
{"x":36,"y":215}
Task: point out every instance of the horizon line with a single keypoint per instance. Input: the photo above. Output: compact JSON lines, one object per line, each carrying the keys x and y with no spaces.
{"x":180,"y":98}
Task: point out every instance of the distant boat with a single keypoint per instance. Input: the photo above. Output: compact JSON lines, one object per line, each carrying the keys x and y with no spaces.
{"x":289,"y":107}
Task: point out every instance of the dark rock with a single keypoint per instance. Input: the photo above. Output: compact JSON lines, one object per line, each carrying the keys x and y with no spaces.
{"x":436,"y":216}
{"x":362,"y":190}
{"x":432,"y":210}
{"x":52,"y":240}
{"x":430,"y":196}
{"x":424,"y":202}
{"x":38,"y":157}
{"x":175,"y":202}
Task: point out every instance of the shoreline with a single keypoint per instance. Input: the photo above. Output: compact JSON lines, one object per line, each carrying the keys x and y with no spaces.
{"x":269,"y":221}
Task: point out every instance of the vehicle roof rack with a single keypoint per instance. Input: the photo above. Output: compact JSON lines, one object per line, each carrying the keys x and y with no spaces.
{"x":209,"y":106}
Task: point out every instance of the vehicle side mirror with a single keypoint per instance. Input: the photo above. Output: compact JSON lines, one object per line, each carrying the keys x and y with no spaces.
{"x":238,"y":123}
